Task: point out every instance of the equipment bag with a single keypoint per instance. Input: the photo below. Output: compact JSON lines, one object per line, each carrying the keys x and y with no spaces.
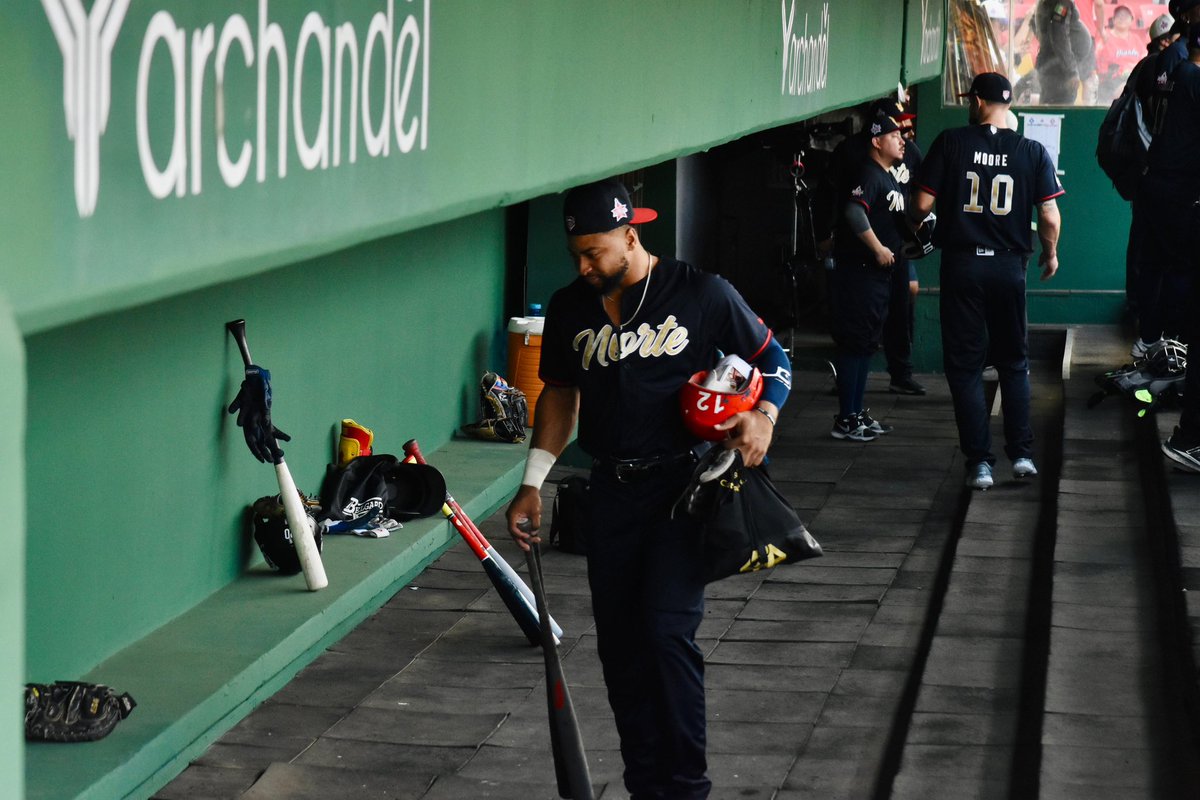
{"x":381,"y":486}
{"x":1123,"y":142}
{"x":570,"y":511}
{"x":747,"y":524}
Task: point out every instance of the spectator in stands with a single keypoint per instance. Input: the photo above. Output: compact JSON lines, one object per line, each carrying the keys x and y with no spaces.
{"x":1123,"y":48}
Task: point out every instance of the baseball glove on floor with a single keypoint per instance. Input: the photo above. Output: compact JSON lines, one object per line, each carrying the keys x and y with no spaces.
{"x":68,"y":711}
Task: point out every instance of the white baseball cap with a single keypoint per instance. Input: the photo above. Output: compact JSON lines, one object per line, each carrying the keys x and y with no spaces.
{"x":1161,"y":26}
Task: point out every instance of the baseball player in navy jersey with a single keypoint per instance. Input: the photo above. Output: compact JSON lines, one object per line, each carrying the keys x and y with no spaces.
{"x":985,"y":179}
{"x":618,"y":344}
{"x":1172,"y":186}
{"x":866,"y":243}
{"x":845,"y":162}
{"x":1166,"y":194}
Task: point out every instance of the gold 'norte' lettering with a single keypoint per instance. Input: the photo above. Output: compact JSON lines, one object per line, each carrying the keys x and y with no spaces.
{"x":606,"y":346}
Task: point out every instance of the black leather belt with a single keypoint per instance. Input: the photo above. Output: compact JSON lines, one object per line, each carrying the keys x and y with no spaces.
{"x":629,"y":470}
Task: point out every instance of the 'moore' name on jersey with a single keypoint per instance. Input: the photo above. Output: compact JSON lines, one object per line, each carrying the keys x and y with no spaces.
{"x":668,"y":338}
{"x":991,"y":159}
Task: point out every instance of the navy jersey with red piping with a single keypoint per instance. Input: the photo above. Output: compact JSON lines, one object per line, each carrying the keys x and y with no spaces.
{"x":986,"y":181}
{"x":877,"y":191}
{"x":629,"y":379}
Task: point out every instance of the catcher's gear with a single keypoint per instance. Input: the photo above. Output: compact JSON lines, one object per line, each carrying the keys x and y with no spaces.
{"x":747,"y":524}
{"x":504,"y":411}
{"x":709,"y":398}
{"x":918,"y":242}
{"x":355,"y":441}
{"x":70,"y":711}
{"x":253,"y":408}
{"x":273,"y":535}
{"x":1156,"y":377}
{"x":1167,"y":357}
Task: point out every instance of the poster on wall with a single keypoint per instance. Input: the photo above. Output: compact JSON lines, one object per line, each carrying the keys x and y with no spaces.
{"x":1047,"y":129}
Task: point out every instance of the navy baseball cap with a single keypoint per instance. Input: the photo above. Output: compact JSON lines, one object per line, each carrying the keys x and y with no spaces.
{"x":881,"y":124}
{"x":892,"y":108}
{"x":992,"y":87}
{"x":601,"y":207}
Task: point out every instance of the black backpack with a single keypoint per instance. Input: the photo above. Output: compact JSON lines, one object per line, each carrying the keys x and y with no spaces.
{"x":570,"y":511}
{"x":1123,"y":142}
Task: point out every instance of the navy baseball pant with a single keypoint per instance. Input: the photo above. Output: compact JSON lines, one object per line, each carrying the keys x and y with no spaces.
{"x":647,"y":581}
{"x":898,"y":328}
{"x":983,"y":313}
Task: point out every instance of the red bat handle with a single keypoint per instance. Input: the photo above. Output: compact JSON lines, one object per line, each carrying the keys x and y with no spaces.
{"x":413,"y":451}
{"x":459,"y":520}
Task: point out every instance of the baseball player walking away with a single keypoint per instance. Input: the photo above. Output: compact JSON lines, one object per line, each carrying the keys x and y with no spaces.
{"x":618,"y":344}
{"x":985,"y":179}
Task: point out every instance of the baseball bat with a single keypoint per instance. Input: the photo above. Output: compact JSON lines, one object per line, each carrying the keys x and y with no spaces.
{"x":413,"y":450}
{"x":521,"y":609}
{"x":566,"y":743}
{"x":298,"y":523}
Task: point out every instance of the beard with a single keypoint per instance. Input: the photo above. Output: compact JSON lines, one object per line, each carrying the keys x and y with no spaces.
{"x":608,"y":283}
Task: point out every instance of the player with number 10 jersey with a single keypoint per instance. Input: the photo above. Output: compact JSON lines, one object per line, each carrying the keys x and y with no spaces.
{"x":982,"y":172}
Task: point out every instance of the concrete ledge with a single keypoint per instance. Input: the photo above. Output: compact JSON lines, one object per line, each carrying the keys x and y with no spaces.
{"x":201,"y":673}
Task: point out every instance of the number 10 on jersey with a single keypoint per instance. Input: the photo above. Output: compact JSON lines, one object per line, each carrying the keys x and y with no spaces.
{"x":1001,"y":190}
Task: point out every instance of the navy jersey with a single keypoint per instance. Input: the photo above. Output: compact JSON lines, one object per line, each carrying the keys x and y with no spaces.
{"x":986,"y":181}
{"x":848,"y":156}
{"x":885,"y":201}
{"x":629,"y":378}
{"x":1174,"y":158}
{"x":1155,"y":84}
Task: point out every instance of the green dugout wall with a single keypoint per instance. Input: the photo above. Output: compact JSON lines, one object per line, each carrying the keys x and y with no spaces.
{"x":336,"y":172}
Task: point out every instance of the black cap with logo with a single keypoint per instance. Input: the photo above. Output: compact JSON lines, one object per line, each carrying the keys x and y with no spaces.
{"x":990,"y":86}
{"x":601,"y":207}
{"x":881,"y":124}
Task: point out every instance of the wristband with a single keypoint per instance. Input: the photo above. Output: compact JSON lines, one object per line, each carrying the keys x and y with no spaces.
{"x":766,"y":414}
{"x":537,"y":467}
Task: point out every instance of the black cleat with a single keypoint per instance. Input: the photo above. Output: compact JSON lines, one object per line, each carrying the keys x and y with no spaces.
{"x":906,"y":386}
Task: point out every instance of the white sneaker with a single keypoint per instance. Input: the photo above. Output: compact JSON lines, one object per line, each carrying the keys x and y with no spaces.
{"x":980,"y":476}
{"x":1024,"y":468}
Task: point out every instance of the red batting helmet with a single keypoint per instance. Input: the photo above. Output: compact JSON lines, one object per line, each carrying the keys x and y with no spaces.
{"x":711,"y":397}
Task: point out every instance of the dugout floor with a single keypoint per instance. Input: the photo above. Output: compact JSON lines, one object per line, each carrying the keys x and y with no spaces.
{"x":934,"y":651}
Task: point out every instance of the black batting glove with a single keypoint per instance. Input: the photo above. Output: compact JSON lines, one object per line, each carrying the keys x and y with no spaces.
{"x":253,"y":408}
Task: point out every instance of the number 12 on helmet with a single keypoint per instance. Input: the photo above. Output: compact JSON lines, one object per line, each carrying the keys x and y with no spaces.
{"x":713,"y":396}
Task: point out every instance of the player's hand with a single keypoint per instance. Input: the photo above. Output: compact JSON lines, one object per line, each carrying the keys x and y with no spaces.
{"x":884,"y":257}
{"x":1049,"y":265}
{"x":525,"y":511}
{"x":751,"y":433}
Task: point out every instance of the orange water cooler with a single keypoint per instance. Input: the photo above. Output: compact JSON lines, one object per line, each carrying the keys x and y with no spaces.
{"x":524,"y":357}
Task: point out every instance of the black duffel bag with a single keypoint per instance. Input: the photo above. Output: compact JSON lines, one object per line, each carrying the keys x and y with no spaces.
{"x":747,"y":525}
